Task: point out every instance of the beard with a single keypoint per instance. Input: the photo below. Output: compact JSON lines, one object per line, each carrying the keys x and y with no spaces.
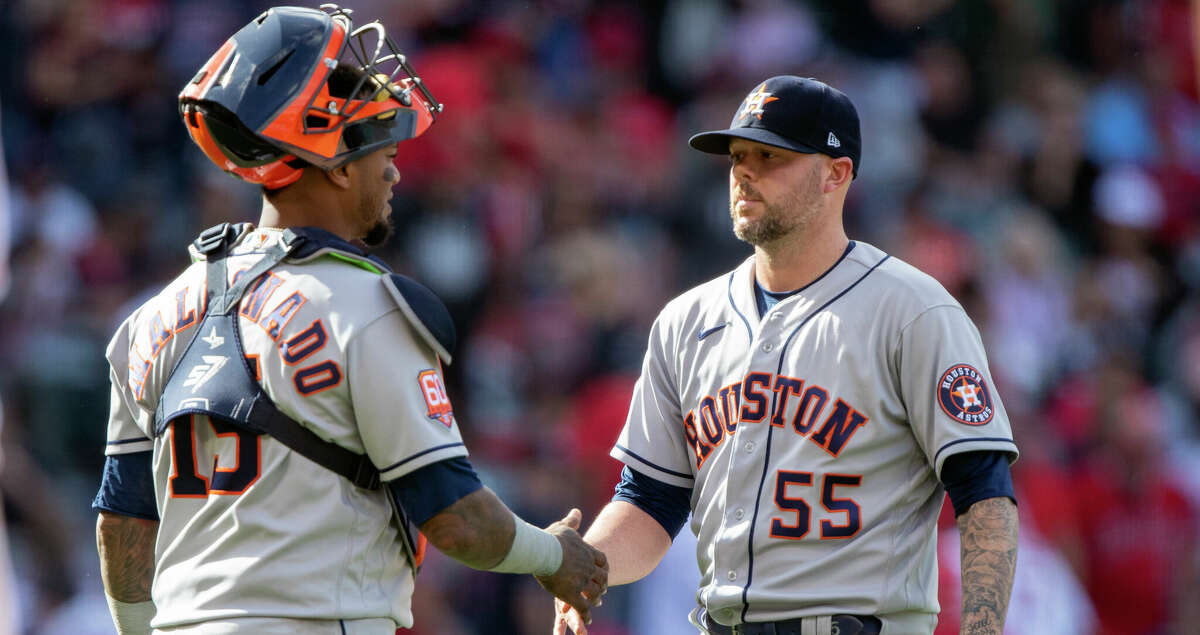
{"x":775,"y":223}
{"x":799,"y":209}
{"x":378,"y":234}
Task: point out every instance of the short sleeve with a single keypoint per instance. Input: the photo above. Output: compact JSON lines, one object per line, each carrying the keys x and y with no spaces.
{"x":652,"y":441}
{"x":404,"y":416}
{"x":126,"y":433}
{"x":947,"y":388}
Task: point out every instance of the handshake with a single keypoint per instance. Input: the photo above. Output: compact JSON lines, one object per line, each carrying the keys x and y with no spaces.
{"x":580,"y":582}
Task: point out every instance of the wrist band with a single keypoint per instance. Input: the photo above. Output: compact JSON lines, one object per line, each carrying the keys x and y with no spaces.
{"x":131,"y":619}
{"x":533,"y":551}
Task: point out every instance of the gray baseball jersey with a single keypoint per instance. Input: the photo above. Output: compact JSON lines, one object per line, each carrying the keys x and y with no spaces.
{"x":249,"y":528}
{"x":812,"y":438}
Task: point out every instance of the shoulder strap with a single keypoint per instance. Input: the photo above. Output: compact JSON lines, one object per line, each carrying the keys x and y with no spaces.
{"x":357,"y":468}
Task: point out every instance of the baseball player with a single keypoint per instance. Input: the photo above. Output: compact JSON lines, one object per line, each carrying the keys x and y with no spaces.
{"x":810,"y":409}
{"x":279,"y":426}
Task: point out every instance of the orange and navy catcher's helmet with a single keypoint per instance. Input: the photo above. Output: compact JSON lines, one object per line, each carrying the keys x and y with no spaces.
{"x":263,"y":100}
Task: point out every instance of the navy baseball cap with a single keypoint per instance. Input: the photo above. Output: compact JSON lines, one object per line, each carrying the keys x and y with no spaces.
{"x":796,"y":113}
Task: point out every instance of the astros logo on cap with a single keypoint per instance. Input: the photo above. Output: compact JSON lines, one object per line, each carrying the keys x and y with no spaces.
{"x":964,"y":395}
{"x":755,"y":101}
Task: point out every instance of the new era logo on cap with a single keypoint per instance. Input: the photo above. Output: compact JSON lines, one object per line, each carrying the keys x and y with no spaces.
{"x":796,"y":113}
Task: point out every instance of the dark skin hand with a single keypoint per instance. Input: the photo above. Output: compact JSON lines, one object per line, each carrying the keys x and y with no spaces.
{"x":584,"y":567}
{"x":478,"y":531}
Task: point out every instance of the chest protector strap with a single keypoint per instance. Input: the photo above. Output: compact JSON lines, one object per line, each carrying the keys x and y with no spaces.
{"x":213,"y":377}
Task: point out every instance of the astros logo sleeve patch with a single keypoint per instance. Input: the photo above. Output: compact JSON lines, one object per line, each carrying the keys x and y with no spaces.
{"x":964,"y":395}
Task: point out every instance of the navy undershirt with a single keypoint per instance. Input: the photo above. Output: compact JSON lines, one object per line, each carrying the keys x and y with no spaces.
{"x":127,"y":487}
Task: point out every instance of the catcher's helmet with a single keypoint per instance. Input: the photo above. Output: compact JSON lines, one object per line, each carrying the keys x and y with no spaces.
{"x":264,"y":99}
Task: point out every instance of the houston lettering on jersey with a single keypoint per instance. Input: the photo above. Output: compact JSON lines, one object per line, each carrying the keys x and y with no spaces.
{"x":258,"y":305}
{"x":806,"y":409}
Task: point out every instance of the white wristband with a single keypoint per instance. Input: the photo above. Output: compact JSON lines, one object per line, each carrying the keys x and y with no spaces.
{"x":533,"y":551}
{"x":131,"y":619}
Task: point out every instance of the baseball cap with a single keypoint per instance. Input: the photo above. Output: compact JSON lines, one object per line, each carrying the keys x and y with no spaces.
{"x":800,"y":114}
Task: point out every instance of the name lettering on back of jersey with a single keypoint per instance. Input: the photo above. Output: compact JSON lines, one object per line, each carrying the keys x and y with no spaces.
{"x":204,"y":371}
{"x":176,"y":313}
{"x":807,"y":410}
{"x":436,"y":399}
{"x":183,"y":309}
{"x":963,"y":394}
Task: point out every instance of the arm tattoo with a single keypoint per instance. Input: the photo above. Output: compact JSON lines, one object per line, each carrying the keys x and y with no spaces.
{"x":126,"y":547}
{"x":988,"y":531}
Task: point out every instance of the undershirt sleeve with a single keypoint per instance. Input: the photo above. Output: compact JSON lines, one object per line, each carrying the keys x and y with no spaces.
{"x":970,"y":477}
{"x":669,"y":504}
{"x":127,"y":486}
{"x":426,"y":491}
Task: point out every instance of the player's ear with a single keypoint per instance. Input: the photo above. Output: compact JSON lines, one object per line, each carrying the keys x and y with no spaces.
{"x":840,"y":171}
{"x":340,"y":176}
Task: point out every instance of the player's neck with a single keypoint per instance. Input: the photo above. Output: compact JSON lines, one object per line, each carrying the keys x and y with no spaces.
{"x":289,"y":211}
{"x":796,"y":261}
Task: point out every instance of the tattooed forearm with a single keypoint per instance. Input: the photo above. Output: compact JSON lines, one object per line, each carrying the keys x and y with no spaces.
{"x":126,"y":547}
{"x":988,"y":531}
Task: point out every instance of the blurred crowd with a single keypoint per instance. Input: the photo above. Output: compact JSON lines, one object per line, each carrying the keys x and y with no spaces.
{"x":1040,"y":158}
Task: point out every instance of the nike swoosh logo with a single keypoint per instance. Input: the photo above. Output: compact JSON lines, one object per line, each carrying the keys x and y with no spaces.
{"x":706,"y":332}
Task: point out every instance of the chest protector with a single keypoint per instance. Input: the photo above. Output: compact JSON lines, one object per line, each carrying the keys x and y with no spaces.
{"x":214,"y":378}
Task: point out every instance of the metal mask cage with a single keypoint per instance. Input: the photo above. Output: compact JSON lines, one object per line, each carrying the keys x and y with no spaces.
{"x":376,"y":65}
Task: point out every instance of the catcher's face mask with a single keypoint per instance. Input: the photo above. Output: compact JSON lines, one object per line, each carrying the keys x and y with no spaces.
{"x":283,"y":88}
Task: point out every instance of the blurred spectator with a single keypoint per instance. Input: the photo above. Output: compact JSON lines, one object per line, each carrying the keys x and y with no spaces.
{"x":1140,"y":534}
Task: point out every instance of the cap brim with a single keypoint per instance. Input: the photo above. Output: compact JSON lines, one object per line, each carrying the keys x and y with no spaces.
{"x":717,"y":141}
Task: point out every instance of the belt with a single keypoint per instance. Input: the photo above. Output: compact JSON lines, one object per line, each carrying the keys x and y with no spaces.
{"x":840,"y":625}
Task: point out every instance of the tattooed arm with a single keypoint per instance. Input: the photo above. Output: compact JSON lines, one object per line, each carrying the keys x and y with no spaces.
{"x":126,"y":546}
{"x":988,"y":532}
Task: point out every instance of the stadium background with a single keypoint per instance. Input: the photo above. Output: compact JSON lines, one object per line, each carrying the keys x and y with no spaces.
{"x":1040,"y":158}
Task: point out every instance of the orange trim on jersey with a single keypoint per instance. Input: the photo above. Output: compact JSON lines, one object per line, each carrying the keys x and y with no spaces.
{"x":299,"y":380}
{"x":764,"y":404}
{"x":710,"y":422}
{"x":838,"y":429}
{"x":237,"y":461}
{"x":805,"y":404}
{"x":315,"y":332}
{"x":699,"y":448}
{"x":801,"y":517}
{"x":827,"y":526}
{"x":253,"y":359}
{"x":285,"y":310}
{"x":183,"y":319}
{"x":195,"y":463}
{"x":784,"y":388}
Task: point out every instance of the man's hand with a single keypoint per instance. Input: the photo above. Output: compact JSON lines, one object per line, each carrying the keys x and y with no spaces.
{"x":582,"y":579}
{"x":566,"y":617}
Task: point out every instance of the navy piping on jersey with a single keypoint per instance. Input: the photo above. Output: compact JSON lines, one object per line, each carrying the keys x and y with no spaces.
{"x":342,"y":624}
{"x":419,"y":455}
{"x":664,"y":470}
{"x":124,"y":441}
{"x":767,"y":454}
{"x":729,"y":292}
{"x":956,"y":442}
